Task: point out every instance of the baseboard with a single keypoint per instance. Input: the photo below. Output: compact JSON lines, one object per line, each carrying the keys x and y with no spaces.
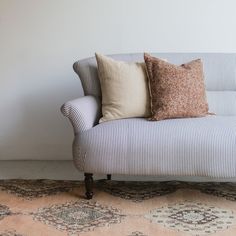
{"x":65,"y":170}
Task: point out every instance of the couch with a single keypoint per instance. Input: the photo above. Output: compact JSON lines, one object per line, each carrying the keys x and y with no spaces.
{"x":178,"y":147}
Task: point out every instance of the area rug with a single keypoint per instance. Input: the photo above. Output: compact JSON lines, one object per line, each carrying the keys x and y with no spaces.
{"x":58,"y":208}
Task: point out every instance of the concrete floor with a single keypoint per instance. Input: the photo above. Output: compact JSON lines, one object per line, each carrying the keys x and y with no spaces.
{"x":65,"y":170}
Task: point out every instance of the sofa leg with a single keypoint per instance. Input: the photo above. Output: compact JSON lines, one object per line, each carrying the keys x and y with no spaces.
{"x":88,"y":185}
{"x":109,"y":177}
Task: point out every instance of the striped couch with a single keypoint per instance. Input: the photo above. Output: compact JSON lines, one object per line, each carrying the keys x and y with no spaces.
{"x":178,"y":147}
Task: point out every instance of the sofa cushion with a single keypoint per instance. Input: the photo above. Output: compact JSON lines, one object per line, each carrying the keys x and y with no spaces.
{"x":124,"y":89}
{"x":193,"y":146}
{"x":176,"y":91}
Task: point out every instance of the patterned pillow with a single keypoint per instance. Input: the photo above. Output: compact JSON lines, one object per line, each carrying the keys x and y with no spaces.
{"x":176,"y":91}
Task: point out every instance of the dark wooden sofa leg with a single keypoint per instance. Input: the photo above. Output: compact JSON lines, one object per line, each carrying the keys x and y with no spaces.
{"x":109,"y":177}
{"x":88,"y":180}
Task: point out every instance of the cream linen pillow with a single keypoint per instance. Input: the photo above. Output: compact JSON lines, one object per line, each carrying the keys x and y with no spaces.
{"x":124,"y":88}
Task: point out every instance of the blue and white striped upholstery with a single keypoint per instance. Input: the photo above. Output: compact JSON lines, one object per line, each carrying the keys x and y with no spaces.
{"x":83,"y":113}
{"x":195,"y":146}
{"x":178,"y":147}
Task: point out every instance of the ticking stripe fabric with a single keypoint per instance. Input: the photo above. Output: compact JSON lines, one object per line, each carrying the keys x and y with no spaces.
{"x":192,"y":147}
{"x":219,"y":69}
{"x":83,"y":112}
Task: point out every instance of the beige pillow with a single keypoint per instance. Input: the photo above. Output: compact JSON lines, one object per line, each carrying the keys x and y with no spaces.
{"x":176,"y":91}
{"x":124,"y":88}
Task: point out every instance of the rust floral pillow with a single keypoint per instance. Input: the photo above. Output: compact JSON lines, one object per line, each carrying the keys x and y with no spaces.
{"x":176,"y":91}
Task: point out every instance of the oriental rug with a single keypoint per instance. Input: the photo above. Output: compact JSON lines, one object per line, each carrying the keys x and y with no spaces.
{"x":119,"y":208}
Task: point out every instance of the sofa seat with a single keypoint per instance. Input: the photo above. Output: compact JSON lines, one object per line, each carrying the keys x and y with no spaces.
{"x":191,"y":147}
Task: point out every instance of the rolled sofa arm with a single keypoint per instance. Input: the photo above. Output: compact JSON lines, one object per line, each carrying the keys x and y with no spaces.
{"x":83,"y":112}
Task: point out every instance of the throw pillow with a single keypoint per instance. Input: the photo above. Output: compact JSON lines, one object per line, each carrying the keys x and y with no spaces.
{"x":176,"y":91}
{"x":124,"y":89}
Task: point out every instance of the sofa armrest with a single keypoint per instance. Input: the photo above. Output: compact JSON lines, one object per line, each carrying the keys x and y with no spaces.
{"x":83,"y":112}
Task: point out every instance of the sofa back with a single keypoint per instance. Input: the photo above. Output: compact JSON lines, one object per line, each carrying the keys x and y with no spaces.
{"x":220,"y":76}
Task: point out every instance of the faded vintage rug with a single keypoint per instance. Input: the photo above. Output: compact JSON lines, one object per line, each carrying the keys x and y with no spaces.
{"x":57,"y":208}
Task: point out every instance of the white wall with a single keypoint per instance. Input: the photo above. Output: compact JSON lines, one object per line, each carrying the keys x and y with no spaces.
{"x":39,"y":41}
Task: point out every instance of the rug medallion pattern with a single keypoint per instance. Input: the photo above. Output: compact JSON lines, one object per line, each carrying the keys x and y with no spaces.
{"x":225,"y":190}
{"x":58,"y":208}
{"x":10,"y":233}
{"x":4,"y":211}
{"x":36,"y":188}
{"x":137,"y":233}
{"x":136,"y":191}
{"x":79,"y":216}
{"x":193,"y":217}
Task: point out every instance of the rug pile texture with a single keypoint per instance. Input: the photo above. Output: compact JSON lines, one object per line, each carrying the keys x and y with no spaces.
{"x":58,"y":208}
